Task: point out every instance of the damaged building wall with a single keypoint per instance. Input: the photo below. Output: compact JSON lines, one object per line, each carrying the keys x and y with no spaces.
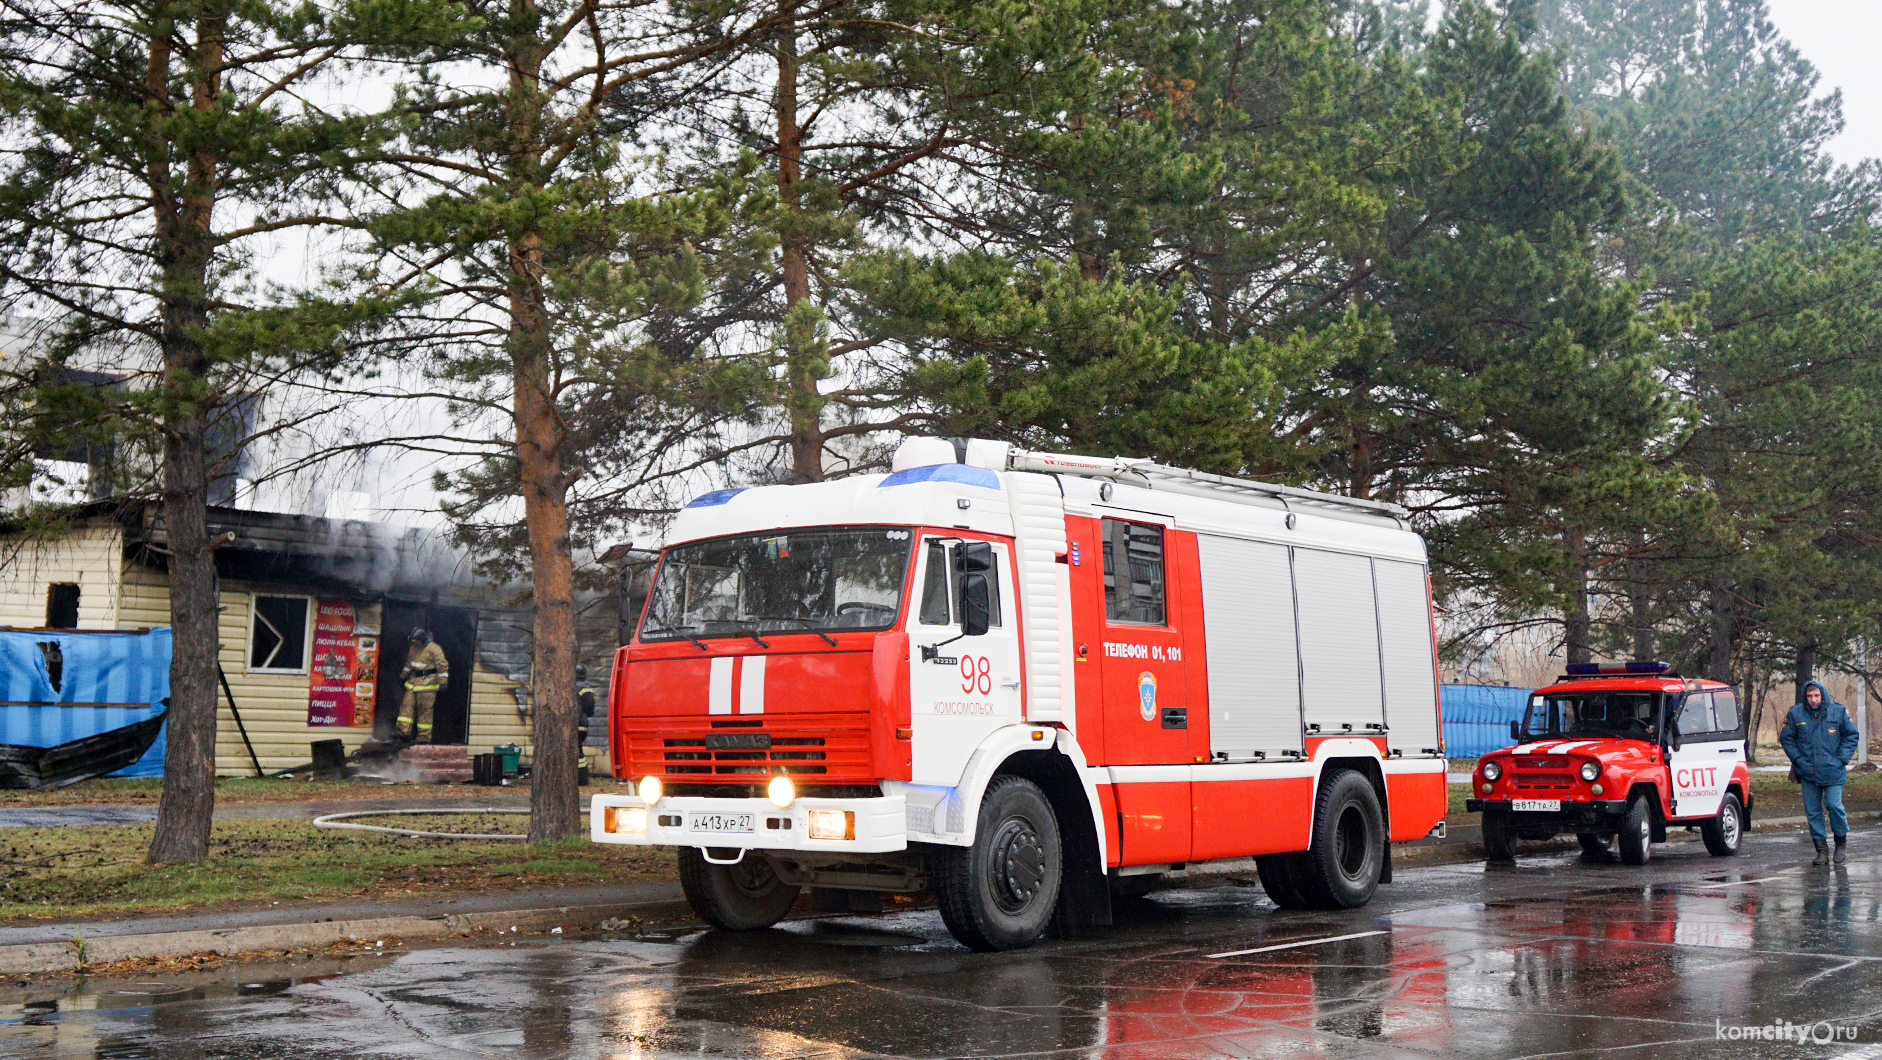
{"x":89,"y":558}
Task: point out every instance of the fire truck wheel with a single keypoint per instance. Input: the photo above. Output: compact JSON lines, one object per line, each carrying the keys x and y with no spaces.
{"x":1724,"y":833}
{"x":1636,"y":838}
{"x":998,"y":894}
{"x":739,"y":897}
{"x":1280,"y":877}
{"x":1342,"y":868}
{"x":1499,"y":836}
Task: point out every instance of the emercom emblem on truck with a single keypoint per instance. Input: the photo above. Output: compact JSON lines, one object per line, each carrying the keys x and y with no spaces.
{"x":885,"y":684}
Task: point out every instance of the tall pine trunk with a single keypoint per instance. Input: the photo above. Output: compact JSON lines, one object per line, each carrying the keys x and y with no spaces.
{"x":186,"y":809}
{"x":803,"y":367}
{"x":1640,"y":598}
{"x":540,"y":437}
{"x":1577,"y":625}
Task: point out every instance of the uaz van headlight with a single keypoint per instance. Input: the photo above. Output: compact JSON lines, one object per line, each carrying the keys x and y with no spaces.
{"x":1492,"y":771}
{"x":1590,"y":770}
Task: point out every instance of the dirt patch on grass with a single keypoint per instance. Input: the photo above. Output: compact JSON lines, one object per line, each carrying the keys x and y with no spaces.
{"x":99,"y":871}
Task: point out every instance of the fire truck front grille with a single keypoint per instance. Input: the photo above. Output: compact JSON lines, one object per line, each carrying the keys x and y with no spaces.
{"x":1544,"y":781}
{"x":838,"y":754}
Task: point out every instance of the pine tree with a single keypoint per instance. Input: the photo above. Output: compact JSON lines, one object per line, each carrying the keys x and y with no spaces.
{"x":164,"y":145}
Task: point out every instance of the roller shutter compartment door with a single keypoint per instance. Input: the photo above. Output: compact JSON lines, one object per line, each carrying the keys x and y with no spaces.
{"x":1411,"y":687}
{"x":1253,"y":653}
{"x":1339,"y":642}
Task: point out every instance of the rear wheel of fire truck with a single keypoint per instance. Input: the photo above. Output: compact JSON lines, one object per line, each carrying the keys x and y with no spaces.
{"x":1724,"y":833}
{"x":1636,"y":838}
{"x":739,"y":897}
{"x":1342,"y":868}
{"x":1499,"y":835}
{"x":998,"y":894}
{"x":1280,"y":877}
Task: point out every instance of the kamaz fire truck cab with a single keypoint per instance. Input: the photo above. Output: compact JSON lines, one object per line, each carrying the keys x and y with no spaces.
{"x":1615,"y":753}
{"x":1025,"y":683}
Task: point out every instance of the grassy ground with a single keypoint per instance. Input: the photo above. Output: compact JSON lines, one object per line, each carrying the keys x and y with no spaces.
{"x":248,"y":789}
{"x":99,"y":872}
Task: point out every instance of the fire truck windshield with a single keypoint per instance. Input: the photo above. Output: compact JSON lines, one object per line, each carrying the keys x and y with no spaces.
{"x":1595,"y":712}
{"x":781,"y":581}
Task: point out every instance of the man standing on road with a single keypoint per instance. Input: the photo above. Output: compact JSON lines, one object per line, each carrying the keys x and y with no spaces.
{"x":1820,"y":740}
{"x":426,"y":671}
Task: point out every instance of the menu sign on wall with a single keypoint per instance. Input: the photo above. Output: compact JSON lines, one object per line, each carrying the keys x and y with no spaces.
{"x":346,"y":660}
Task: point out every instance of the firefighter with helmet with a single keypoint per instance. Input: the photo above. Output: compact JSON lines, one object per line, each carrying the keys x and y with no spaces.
{"x":426,"y":673}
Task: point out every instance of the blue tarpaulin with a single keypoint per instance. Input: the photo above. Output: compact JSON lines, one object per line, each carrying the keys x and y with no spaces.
{"x":1477,"y":717}
{"x":108,"y":680}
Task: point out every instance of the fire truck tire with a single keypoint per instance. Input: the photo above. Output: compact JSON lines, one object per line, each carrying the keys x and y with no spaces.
{"x":1342,"y":868}
{"x":1636,"y":838}
{"x":741,"y":897}
{"x":1280,"y":878}
{"x":1726,"y":832}
{"x":1499,"y":836}
{"x":999,"y":893}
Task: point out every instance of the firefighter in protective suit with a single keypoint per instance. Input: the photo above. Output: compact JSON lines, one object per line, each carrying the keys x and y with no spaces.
{"x":425,"y":674}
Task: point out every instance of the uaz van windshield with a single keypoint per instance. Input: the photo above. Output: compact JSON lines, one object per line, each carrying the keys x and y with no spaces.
{"x":786,"y":581}
{"x":1594,"y":713}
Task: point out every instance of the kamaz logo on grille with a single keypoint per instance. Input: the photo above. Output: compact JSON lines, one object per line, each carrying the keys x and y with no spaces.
{"x":739,"y":741}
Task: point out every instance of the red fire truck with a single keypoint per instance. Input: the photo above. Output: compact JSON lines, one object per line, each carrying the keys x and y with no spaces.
{"x":1025,"y":683}
{"x":1616,"y":753}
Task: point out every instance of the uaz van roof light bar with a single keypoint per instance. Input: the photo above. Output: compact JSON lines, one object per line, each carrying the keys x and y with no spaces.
{"x":1147,"y":473}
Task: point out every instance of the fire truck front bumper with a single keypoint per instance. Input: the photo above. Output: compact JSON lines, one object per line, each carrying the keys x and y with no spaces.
{"x":869,"y":826}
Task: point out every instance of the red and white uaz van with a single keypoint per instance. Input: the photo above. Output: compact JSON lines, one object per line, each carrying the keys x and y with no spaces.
{"x":1616,"y":753}
{"x":1026,"y":683}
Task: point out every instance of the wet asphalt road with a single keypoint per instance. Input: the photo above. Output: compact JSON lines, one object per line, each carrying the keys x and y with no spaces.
{"x":1557,"y":956}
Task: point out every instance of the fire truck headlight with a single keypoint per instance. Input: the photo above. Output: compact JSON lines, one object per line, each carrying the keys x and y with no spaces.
{"x":625,"y":820}
{"x":782,"y":791}
{"x":1590,"y":770}
{"x":832,"y":824}
{"x":649,"y":789}
{"x":1491,"y":771}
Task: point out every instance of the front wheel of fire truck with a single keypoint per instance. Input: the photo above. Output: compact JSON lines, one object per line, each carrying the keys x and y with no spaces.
{"x":1499,"y":834}
{"x":998,"y":893}
{"x":1636,"y":838}
{"x":1726,"y":832}
{"x":741,"y":897}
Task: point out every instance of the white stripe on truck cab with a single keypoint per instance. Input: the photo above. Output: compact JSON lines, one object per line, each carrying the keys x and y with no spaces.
{"x":751,"y":685}
{"x":719,"y":686}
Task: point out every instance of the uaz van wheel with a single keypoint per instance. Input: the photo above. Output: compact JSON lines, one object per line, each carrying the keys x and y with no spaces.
{"x":1499,"y":836}
{"x":739,"y":897}
{"x":1600,"y":846}
{"x":998,"y":893}
{"x":1726,"y":832}
{"x":1636,"y":836}
{"x":1342,"y":868}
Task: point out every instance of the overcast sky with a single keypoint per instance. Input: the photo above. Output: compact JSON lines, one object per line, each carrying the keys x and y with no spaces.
{"x":1839,"y":38}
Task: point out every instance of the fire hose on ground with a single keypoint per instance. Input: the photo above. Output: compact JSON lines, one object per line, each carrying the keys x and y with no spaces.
{"x":340,"y":821}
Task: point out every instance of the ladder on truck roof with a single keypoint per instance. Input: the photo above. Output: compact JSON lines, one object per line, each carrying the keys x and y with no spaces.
{"x":1147,"y":473}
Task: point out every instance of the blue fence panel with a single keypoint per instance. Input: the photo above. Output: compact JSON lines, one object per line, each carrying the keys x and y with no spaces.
{"x":120,"y":668}
{"x":1477,"y":717}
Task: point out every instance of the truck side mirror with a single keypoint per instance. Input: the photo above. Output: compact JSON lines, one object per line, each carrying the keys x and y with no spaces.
{"x":1516,"y":731}
{"x":973,"y":557}
{"x":976,"y":605}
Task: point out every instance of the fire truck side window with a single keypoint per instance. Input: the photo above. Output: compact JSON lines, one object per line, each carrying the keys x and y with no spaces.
{"x":1725,"y":710}
{"x":934,"y":586}
{"x":1695,"y":715}
{"x":1133,"y":572}
{"x":993,"y":592}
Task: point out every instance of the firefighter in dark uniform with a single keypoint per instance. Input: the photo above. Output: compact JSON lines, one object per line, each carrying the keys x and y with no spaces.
{"x":426,"y":673}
